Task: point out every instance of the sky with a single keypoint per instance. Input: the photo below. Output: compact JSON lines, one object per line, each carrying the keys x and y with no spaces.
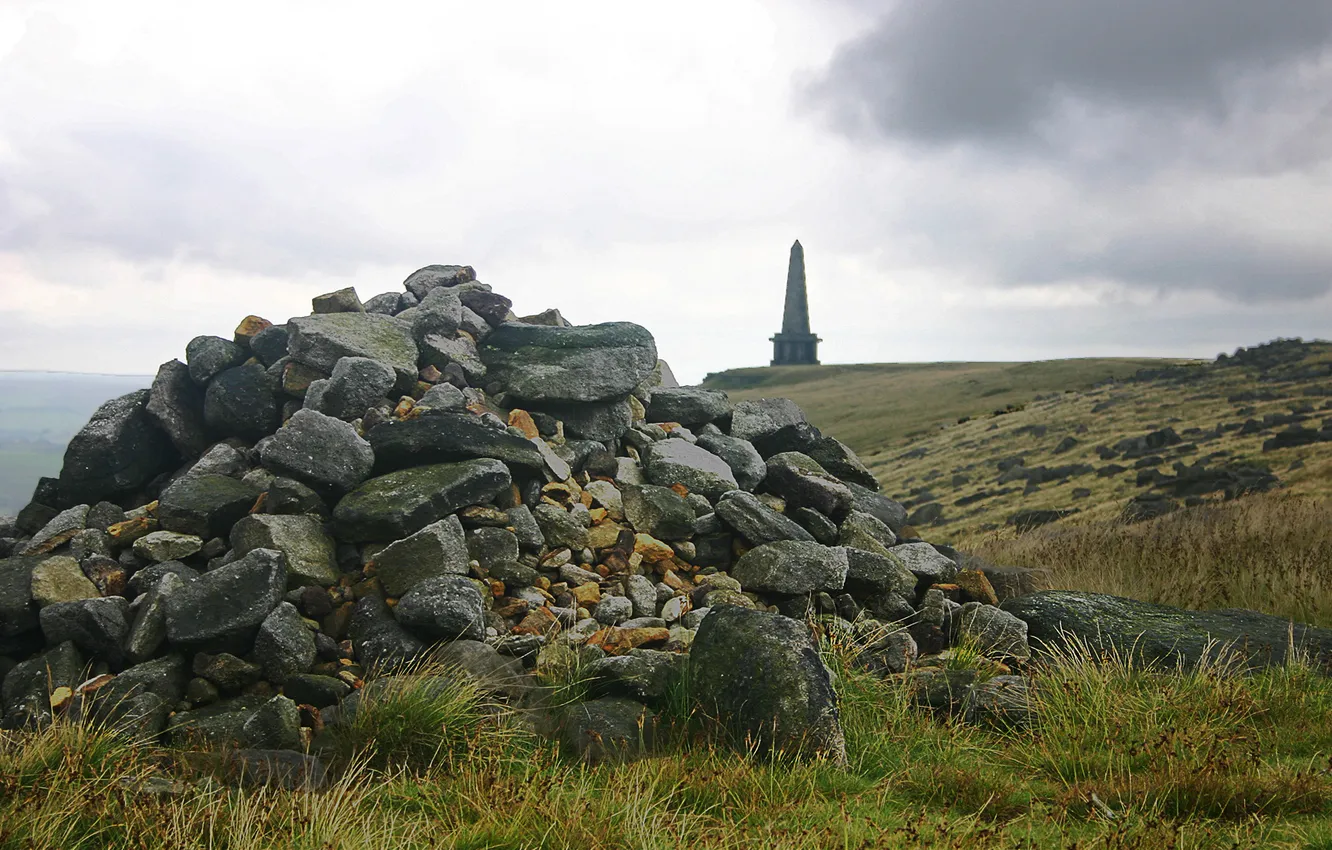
{"x":1015,"y":180}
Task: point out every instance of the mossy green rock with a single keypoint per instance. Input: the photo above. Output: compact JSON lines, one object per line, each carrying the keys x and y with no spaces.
{"x":401,"y":503}
{"x":579,"y":364}
{"x":1164,"y":634}
{"x":205,"y":505}
{"x":762,"y":675}
{"x":321,"y":341}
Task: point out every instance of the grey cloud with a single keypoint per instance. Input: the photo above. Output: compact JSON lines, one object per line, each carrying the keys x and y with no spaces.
{"x":996,"y":71}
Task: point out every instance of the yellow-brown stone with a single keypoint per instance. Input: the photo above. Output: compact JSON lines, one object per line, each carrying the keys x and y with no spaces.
{"x":522,"y":420}
{"x":652,"y":549}
{"x":976,"y":587}
{"x":587,"y":594}
{"x":130,"y":530}
{"x":617,"y":641}
{"x":603,"y":535}
{"x":250,"y":327}
{"x":539,"y":621}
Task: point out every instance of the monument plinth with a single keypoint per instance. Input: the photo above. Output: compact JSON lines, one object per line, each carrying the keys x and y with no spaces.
{"x":795,"y":345}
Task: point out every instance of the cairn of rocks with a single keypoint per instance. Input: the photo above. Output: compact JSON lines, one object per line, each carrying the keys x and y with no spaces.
{"x":229,"y":557}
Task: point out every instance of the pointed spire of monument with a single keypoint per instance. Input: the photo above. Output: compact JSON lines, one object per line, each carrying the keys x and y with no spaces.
{"x":795,"y":344}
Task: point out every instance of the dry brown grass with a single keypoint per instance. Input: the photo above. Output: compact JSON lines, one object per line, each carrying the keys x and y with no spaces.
{"x":1270,"y":552}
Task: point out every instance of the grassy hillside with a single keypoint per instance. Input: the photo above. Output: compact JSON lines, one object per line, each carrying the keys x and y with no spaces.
{"x":1059,"y":429}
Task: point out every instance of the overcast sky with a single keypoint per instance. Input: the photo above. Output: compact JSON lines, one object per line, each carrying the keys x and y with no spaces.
{"x":1007,"y":180}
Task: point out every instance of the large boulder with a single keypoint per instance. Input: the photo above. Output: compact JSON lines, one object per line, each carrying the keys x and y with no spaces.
{"x":773,"y":425}
{"x":357,"y":383}
{"x":309,"y":551}
{"x":658,"y":511}
{"x":321,"y":341}
{"x":242,"y":402}
{"x":448,"y":436}
{"x":579,"y":364}
{"x":444,"y":607}
{"x":284,"y":646}
{"x":98,"y":627}
{"x":209,"y":356}
{"x":746,"y":463}
{"x":792,"y":567}
{"x":925,"y":562}
{"x":757,"y":522}
{"x":671,"y":462}
{"x":175,"y":403}
{"x":401,"y":503}
{"x":323,"y":452}
{"x":205,"y":505}
{"x":890,"y":513}
{"x":800,"y":480}
{"x":761,"y":675}
{"x":836,"y":457}
{"x":601,"y":421}
{"x":438,"y":549}
{"x":687,"y":405}
{"x":116,"y":454}
{"x":221,"y":611}
{"x":1160,"y":633}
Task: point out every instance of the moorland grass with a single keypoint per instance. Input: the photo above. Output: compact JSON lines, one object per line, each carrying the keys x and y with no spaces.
{"x":1269,"y":552}
{"x":1121,"y":756}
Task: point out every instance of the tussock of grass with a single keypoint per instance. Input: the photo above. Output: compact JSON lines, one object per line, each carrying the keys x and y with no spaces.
{"x":1122,"y":756}
{"x":1269,"y":552}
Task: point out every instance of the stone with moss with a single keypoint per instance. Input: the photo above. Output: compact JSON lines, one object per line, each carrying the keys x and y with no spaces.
{"x":393,"y":506}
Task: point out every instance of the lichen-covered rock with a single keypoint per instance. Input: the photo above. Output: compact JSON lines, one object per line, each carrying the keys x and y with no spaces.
{"x":396,"y":505}
{"x":357,"y":383}
{"x":925,"y":562}
{"x":209,"y":356}
{"x":761,"y":674}
{"x":323,"y":452}
{"x":98,"y":627}
{"x":792,"y":567}
{"x":602,"y":421}
{"x":746,"y":464}
{"x":836,"y":457}
{"x":284,"y":645}
{"x":1160,"y":633}
{"x":658,"y":511}
{"x":175,"y":404}
{"x":671,"y":462}
{"x":321,"y":341}
{"x":160,"y":546}
{"x":799,"y":480}
{"x":687,"y":405}
{"x":307,"y":549}
{"x":438,"y":549}
{"x":757,"y":522}
{"x":773,"y":425}
{"x":580,"y":364}
{"x":443,"y":608}
{"x":448,"y":436}
{"x":242,"y":402}
{"x":59,"y":578}
{"x":610,"y":730}
{"x":205,"y":505}
{"x":116,"y":454}
{"x":559,"y":528}
{"x":222,"y":609}
{"x":58,"y":531}
{"x":992,"y":630}
{"x":890,"y":513}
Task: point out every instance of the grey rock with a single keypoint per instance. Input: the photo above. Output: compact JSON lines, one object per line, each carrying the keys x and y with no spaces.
{"x":448,"y":436}
{"x":642,"y":674}
{"x":270,"y":344}
{"x":866,"y":531}
{"x":792,"y":567}
{"x":175,"y":404}
{"x":443,"y":607}
{"x":58,"y":531}
{"x":671,"y":462}
{"x":117,"y":453}
{"x":581,"y":364}
{"x":209,"y":356}
{"x":887,"y":651}
{"x":25,"y":695}
{"x":379,"y":641}
{"x":602,"y":421}
{"x":658,"y":511}
{"x":217,"y":726}
{"x":222,"y":609}
{"x":228,"y":672}
{"x":275,"y":725}
{"x":746,"y":463}
{"x":925,"y":562}
{"x":492,"y":672}
{"x":325,"y":453}
{"x":443,"y":351}
{"x":393,"y":506}
{"x":284,"y":645}
{"x":610,"y":730}
{"x":442,"y":397}
{"x":687,"y":405}
{"x":342,"y":301}
{"x":1170,"y":636}
{"x":438,"y":314}
{"x":385,"y":303}
{"x":103,"y":515}
{"x":885,"y":509}
{"x":242,"y":402}
{"x":1002,"y":702}
{"x":205,"y":505}
{"x":438,"y":549}
{"x":762,"y":674}
{"x":356,"y":384}
{"x":799,"y":480}
{"x":308,"y":550}
{"x":147,"y":578}
{"x":642,"y":595}
{"x":873,"y":573}
{"x":491,"y":306}
{"x":836,"y":457}
{"x":98,"y":627}
{"x":221,"y":459}
{"x":491,"y":546}
{"x":994,"y":631}
{"x":321,"y":341}
{"x":559,"y":528}
{"x":530,"y":538}
{"x":159,"y":546}
{"x":59,"y":578}
{"x":289,"y":496}
{"x":757,"y":522}
{"x":420,"y":282}
{"x":629,"y":471}
{"x":315,"y":690}
{"x":148,"y":630}
{"x":613,"y":610}
{"x":773,"y":425}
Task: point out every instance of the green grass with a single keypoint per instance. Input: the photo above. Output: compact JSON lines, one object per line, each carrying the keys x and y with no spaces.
{"x":1120,"y":757}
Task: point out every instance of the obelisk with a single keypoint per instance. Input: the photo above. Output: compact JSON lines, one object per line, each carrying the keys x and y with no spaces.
{"x":795,"y":345}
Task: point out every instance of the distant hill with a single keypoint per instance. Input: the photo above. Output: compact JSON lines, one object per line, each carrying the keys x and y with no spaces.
{"x":1067,"y":432}
{"x":39,"y":412}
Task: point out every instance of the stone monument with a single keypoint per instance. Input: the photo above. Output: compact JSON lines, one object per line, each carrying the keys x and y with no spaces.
{"x":795,"y":345}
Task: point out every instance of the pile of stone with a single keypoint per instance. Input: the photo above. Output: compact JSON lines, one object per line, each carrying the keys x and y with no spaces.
{"x":227,"y":557}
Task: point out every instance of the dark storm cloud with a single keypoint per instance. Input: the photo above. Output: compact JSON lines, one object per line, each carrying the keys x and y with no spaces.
{"x":998,"y":71}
